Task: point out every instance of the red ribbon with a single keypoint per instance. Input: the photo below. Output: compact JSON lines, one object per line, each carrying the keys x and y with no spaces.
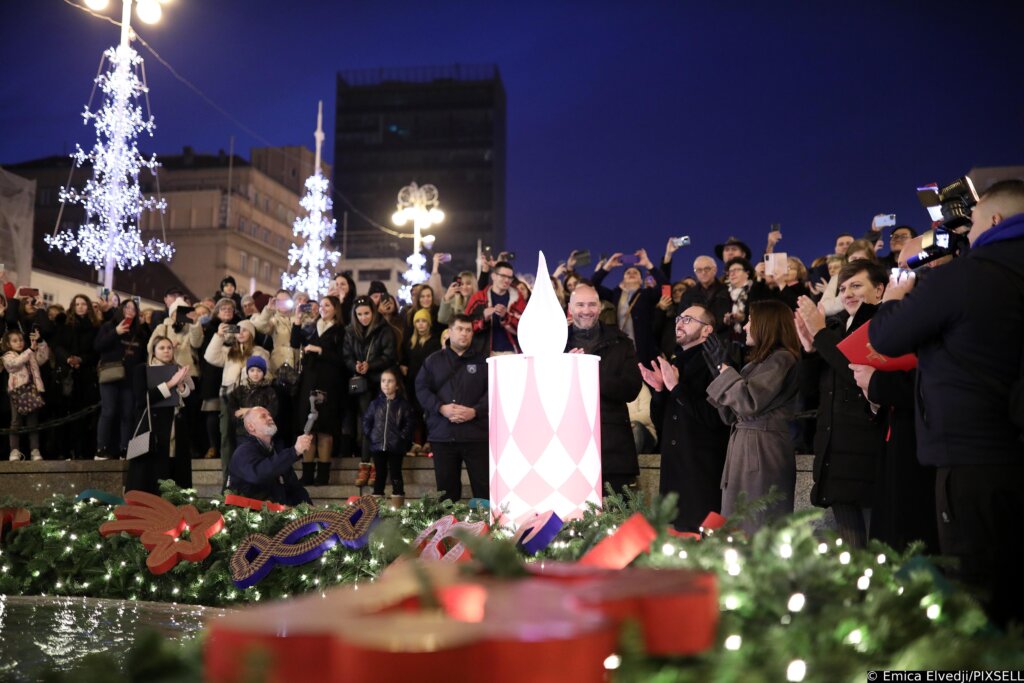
{"x":254,"y":503}
{"x":633,"y":538}
{"x":13,"y":518}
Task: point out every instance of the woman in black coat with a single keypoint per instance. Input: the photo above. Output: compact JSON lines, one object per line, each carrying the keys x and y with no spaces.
{"x":370,"y":348}
{"x":323,"y":369}
{"x":423,"y":341}
{"x":169,"y":455}
{"x":121,"y":345}
{"x":210,"y":375}
{"x":76,"y":357}
{"x":848,"y":441}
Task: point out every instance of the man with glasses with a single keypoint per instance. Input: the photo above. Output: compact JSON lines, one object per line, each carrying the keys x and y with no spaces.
{"x":693,"y":437}
{"x":495,"y":311}
{"x":619,"y":382}
{"x":899,"y":237}
{"x":710,"y":292}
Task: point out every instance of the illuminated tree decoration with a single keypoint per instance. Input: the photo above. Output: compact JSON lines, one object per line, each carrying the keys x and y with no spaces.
{"x":112,"y":198}
{"x":316,"y":263}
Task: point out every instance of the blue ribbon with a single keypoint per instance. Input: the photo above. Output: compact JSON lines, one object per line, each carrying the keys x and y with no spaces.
{"x":537,"y":534}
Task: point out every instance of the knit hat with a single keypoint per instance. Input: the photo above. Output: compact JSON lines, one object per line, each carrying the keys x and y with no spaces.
{"x":228,"y":281}
{"x":248,"y":325}
{"x":260,"y":299}
{"x":256,"y":362}
{"x":422,"y":314}
{"x":378,"y":287}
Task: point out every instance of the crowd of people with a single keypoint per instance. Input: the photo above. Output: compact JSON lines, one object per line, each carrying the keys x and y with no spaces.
{"x":709,"y":369}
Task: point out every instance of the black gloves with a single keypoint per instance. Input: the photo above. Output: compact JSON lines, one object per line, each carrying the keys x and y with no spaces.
{"x":714,"y":352}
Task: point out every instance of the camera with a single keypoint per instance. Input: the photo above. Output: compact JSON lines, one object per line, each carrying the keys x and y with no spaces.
{"x":950,"y":210}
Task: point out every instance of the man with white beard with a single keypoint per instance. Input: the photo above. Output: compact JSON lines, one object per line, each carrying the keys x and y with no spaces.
{"x":260,"y":469}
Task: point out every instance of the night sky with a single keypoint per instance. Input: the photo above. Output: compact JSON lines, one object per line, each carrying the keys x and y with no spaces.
{"x":627,"y":121}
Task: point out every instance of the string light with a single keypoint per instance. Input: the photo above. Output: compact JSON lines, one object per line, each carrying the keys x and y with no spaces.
{"x":796,"y":671}
{"x":668,"y":549}
{"x":844,"y":558}
{"x":863,"y":583}
{"x":733,"y":642}
{"x":612,"y":662}
{"x":933,"y":612}
{"x":112,"y":198}
{"x":796,"y":602}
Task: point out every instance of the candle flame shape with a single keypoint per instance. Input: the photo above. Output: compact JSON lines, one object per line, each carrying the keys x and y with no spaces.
{"x":543,"y":330}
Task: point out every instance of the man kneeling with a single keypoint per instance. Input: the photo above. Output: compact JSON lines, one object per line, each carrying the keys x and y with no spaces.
{"x":259,"y":470}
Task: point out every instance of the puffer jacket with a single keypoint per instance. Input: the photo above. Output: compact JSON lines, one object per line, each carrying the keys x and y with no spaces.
{"x":388,"y":424}
{"x":279,"y":326}
{"x":375,"y":345}
{"x":23,"y":367}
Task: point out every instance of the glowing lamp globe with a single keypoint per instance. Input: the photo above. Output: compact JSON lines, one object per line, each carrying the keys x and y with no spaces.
{"x":545,"y":419}
{"x":435,"y":215}
{"x":398,"y":218}
{"x":148,"y":11}
{"x":97,"y":5}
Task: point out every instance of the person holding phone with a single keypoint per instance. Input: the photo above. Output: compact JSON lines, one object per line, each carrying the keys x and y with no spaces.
{"x":210,"y":376}
{"x":496,"y":309}
{"x":635,"y":305}
{"x":121,"y":344}
{"x":455,"y":298}
{"x":276,"y":320}
{"x":22,"y":357}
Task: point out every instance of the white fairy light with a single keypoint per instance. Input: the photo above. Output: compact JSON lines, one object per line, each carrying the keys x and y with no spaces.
{"x":612,"y":662}
{"x":112,"y":198}
{"x":796,"y":671}
{"x":786,"y":551}
{"x":933,"y":612}
{"x":731,"y":602}
{"x":822,"y":548}
{"x":844,"y":558}
{"x":733,"y":642}
{"x":863,"y":583}
{"x":316,"y":263}
{"x":668,"y":549}
{"x":796,"y":602}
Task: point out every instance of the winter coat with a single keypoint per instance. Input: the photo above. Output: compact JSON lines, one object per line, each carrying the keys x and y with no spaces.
{"x":186,"y":341}
{"x":848,"y":440}
{"x":219,"y":355}
{"x":128,"y":348}
{"x":447,"y":377}
{"x":643,"y":311}
{"x":324,"y":372}
{"x":23,"y":367}
{"x":620,"y":381}
{"x":415,"y":356}
{"x":265,"y":473}
{"x":388,"y":424}
{"x":693,"y":442}
{"x":714,"y":298}
{"x":210,"y":376}
{"x":278,"y":326}
{"x":965,"y":321}
{"x":79,"y":340}
{"x":375,"y":345}
{"x":758,"y":403}
{"x":482,"y":299}
{"x":248,"y":395}
{"x":169,"y":454}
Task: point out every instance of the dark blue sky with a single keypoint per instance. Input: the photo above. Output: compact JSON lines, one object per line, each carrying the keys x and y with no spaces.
{"x":627,"y":121}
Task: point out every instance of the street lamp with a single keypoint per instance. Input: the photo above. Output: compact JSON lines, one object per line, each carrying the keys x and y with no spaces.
{"x":419,"y":205}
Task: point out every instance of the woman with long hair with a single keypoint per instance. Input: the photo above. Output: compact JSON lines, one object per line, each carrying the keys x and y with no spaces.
{"x":456,"y":297}
{"x":323,"y":369}
{"x":369,"y":348}
{"x":121,"y":346}
{"x":422,"y":342}
{"x":160,"y":387}
{"x":424,"y":301}
{"x":230,"y":349}
{"x":210,"y":375}
{"x":76,"y":355}
{"x":758,"y":403}
{"x":793,"y":284}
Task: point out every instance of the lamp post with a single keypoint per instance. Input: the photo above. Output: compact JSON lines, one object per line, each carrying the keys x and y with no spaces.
{"x":418,"y":204}
{"x":113,"y":200}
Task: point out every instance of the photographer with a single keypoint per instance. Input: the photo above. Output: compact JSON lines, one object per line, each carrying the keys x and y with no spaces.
{"x":968,"y":384}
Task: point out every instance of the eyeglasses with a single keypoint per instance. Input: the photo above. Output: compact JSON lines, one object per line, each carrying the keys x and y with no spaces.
{"x":507,"y":276}
{"x":687,"y":319}
{"x":737,"y":270}
{"x":899,"y":238}
{"x":705,"y":269}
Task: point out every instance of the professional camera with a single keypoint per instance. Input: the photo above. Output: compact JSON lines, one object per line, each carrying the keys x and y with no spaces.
{"x":950,"y":210}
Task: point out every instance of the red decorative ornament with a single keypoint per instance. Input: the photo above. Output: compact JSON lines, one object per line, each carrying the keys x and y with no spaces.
{"x":13,"y":518}
{"x":633,"y":538}
{"x":539,"y":629}
{"x":253,"y":503}
{"x":159,"y":526}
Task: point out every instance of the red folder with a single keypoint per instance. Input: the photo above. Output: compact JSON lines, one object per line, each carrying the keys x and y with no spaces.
{"x":857,"y":348}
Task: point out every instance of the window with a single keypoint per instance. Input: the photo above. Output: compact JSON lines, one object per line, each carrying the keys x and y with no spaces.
{"x":266,"y":271}
{"x":266,"y":236}
{"x":243,"y":261}
{"x":241,"y":225}
{"x":382,"y":274}
{"x":280,"y":242}
{"x":255,"y":229}
{"x":255,"y":266}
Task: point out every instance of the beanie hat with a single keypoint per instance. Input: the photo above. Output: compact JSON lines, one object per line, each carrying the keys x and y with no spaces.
{"x":256,"y":362}
{"x":378,"y":287}
{"x":422,"y":314}
{"x":229,"y":280}
{"x":249,"y":326}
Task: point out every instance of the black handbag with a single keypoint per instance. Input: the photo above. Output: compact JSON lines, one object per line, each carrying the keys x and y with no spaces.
{"x":358,"y":385}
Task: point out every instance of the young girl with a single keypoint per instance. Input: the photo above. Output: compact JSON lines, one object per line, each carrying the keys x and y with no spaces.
{"x":758,"y":403}
{"x":369,"y":348}
{"x":387,"y":425}
{"x":22,"y":367}
{"x":169,"y":453}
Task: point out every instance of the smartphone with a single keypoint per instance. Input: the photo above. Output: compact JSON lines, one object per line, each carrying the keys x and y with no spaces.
{"x":457,"y":281}
{"x":683,"y":241}
{"x":306,"y":308}
{"x":231,"y":329}
{"x":629,"y":259}
{"x":776,"y":264}
{"x":445,"y":258}
{"x":649,"y":281}
{"x":582,"y":257}
{"x":28,"y":293}
{"x":181,"y":314}
{"x":666,"y":291}
{"x":138,"y":302}
{"x":884,"y":220}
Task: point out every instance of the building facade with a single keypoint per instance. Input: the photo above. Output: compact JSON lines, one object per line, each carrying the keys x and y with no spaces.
{"x":439,"y":125}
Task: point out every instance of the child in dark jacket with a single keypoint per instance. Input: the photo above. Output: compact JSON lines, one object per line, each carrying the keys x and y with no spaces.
{"x":388,"y":424}
{"x":256,"y":392}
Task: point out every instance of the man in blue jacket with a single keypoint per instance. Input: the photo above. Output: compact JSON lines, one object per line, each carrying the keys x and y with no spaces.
{"x":452,"y":388}
{"x":260,"y":469}
{"x":965,"y":321}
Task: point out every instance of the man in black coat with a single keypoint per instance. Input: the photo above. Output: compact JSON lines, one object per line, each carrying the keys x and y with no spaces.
{"x":259,"y":469}
{"x":452,"y":388}
{"x":620,"y":382}
{"x":966,"y":324}
{"x":694,"y":439}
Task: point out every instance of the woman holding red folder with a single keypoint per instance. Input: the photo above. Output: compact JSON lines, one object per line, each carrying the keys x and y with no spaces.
{"x":848,"y":441}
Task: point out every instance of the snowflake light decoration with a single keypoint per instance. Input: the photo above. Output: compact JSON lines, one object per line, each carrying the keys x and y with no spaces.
{"x":316,"y":263}
{"x":112,"y":198}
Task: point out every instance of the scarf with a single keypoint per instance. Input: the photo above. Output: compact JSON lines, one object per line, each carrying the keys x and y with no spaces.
{"x":739,"y":303}
{"x":586,"y":339}
{"x":623,"y":314}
